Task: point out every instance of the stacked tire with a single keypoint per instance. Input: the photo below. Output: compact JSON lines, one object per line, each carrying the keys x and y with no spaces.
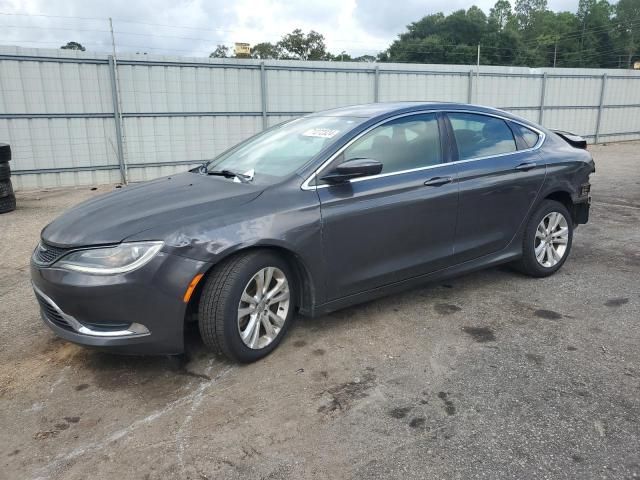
{"x":7,"y":198}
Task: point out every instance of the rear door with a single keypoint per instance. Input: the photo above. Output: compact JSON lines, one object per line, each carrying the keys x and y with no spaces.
{"x":500,"y":174}
{"x":399,"y":224}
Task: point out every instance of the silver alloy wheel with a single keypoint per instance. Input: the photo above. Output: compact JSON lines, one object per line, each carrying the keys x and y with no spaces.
{"x":552,"y":237}
{"x":263,"y":307}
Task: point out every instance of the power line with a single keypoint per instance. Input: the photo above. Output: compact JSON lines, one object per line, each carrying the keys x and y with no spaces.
{"x":33,"y":27}
{"x":521,"y":49}
{"x":214,"y":29}
{"x":525,"y":48}
{"x":571,"y":35}
{"x":49,"y":16}
{"x":441,"y":52}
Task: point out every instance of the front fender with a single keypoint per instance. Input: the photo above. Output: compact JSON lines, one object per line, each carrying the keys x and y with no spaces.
{"x":288,"y":220}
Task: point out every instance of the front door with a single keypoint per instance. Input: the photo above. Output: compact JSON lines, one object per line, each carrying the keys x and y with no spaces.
{"x":398,"y":224}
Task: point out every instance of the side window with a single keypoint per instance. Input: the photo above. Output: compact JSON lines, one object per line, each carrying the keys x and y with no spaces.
{"x":529,"y":137}
{"x":481,"y":135}
{"x":401,"y":144}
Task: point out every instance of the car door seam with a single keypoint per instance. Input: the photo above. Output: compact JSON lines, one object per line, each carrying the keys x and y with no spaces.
{"x":532,"y":204}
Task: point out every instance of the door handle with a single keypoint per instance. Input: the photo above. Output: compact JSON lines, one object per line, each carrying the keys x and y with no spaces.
{"x":526,"y":166}
{"x":437,"y":181}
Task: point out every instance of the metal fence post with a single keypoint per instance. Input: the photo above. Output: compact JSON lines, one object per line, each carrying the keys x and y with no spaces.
{"x":542,"y":93}
{"x":117,"y":116}
{"x":470,"y":87}
{"x":263,"y":95}
{"x":598,"y":119}
{"x":376,"y":84}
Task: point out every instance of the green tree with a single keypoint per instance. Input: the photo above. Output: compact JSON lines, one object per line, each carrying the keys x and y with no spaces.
{"x":500,"y":15}
{"x":73,"y":46}
{"x":528,"y":10}
{"x":340,"y":57}
{"x":628,"y":19}
{"x":266,"y":51}
{"x":503,"y":48}
{"x":365,"y":58}
{"x":300,"y":46}
{"x":466,"y":27}
{"x":221,"y":51}
{"x":594,"y":17}
{"x":598,"y":34}
{"x":438,"y":38}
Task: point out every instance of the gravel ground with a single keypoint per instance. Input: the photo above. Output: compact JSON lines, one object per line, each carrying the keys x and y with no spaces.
{"x":490,"y":375}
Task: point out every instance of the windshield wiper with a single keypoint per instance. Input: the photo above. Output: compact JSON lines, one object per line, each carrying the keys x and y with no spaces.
{"x":231,"y":174}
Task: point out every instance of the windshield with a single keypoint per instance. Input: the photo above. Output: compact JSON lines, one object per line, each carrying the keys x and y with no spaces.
{"x":281,"y":150}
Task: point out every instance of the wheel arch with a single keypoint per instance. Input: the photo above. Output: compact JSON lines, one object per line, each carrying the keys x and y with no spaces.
{"x":564,"y":197}
{"x":305,"y":293}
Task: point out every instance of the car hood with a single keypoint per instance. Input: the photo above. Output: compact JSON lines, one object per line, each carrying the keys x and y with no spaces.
{"x":171,"y":201}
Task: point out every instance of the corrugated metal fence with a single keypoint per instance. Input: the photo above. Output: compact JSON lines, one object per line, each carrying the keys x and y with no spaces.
{"x":75,"y":119}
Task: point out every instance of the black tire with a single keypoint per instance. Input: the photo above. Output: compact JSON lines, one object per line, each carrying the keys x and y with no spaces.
{"x":5,"y":153}
{"x":7,"y":204}
{"x":528,"y":264}
{"x":6,"y":189}
{"x":220,"y":299}
{"x":5,"y":171}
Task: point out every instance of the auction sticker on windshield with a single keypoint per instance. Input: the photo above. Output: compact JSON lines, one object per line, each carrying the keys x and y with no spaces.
{"x":321,"y":133}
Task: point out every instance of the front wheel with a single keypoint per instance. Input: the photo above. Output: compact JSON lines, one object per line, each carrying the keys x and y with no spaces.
{"x":247,"y":305}
{"x":547,"y":240}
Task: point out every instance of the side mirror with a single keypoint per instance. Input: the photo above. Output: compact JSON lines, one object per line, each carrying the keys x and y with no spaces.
{"x":354,"y":168}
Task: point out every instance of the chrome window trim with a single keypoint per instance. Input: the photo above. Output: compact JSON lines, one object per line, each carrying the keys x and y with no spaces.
{"x":306,"y":184}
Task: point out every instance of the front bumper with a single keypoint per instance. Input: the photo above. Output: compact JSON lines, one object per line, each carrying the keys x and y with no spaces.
{"x":139,"y":312}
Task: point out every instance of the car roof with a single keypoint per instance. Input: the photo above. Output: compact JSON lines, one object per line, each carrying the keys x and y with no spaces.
{"x":379,"y":111}
{"x":372,"y":110}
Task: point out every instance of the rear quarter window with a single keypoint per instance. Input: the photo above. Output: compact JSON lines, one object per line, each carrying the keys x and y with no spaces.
{"x":528,"y":136}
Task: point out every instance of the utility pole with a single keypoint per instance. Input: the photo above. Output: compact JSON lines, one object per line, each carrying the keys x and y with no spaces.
{"x":116,"y":93}
{"x":584,"y":24}
{"x":113,"y":39}
{"x":555,"y":54}
{"x":477,"y":72}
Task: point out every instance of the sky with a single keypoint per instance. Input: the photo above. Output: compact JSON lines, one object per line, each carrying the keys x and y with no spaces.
{"x":195,"y":27}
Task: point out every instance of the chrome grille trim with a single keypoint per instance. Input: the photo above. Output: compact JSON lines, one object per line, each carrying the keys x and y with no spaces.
{"x":46,"y":254}
{"x":52,"y":314}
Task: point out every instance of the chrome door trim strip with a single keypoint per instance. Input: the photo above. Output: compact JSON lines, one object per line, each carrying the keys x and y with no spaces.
{"x":306,"y":184}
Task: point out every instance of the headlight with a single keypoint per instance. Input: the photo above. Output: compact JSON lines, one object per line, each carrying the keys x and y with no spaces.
{"x":110,"y":260}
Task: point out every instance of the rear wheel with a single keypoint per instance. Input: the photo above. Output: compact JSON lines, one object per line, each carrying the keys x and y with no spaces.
{"x":247,"y":305}
{"x":547,"y":240}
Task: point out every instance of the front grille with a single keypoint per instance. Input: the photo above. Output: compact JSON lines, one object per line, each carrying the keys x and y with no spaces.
{"x":52,"y":314}
{"x":47,"y":254}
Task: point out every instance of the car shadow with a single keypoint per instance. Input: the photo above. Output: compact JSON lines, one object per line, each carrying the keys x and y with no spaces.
{"x":160,"y":375}
{"x":173,"y":372}
{"x":440,"y":295}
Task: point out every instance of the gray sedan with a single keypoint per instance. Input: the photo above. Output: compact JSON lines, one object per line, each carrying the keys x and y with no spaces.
{"x":312,"y":215}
